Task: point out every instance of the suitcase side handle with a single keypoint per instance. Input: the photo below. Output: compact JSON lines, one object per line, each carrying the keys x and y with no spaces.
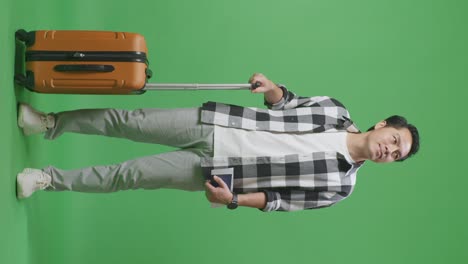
{"x":84,"y":68}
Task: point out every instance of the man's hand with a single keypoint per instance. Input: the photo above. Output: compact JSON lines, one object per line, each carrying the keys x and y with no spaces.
{"x":221,"y":194}
{"x":265,"y":84}
{"x":272,"y":92}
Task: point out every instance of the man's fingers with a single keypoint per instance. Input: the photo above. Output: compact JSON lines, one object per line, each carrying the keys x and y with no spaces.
{"x":209,"y":187}
{"x":260,"y":89}
{"x":220,"y":181}
{"x":256,"y":77}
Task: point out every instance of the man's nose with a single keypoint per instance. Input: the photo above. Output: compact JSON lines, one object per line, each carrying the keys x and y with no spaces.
{"x":390,"y":148}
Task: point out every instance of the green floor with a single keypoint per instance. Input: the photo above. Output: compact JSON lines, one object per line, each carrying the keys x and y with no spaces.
{"x":378,"y":57}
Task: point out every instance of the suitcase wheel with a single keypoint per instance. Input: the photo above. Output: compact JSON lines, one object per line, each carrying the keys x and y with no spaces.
{"x":24,"y":36}
{"x":25,"y":80}
{"x":20,"y":79}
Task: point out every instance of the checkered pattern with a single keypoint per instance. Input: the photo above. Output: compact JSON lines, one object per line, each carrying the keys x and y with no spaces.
{"x":292,"y":182}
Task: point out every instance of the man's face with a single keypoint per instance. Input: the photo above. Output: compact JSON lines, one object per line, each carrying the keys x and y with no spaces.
{"x":387,"y":144}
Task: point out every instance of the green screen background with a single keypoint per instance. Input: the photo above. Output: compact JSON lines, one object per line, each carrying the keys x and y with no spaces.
{"x":378,"y":57}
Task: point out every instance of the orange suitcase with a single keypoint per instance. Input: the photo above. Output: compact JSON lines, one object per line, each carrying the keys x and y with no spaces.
{"x":93,"y":62}
{"x":84,"y":62}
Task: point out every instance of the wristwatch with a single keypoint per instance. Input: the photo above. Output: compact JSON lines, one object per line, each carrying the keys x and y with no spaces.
{"x":233,"y":204}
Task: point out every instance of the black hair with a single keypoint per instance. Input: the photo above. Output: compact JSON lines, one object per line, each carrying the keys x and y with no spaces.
{"x":397,"y":121}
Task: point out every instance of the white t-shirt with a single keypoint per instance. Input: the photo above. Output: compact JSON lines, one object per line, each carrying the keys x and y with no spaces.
{"x":234,"y":142}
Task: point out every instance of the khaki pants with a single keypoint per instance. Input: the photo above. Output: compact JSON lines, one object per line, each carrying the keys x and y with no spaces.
{"x":173,"y":127}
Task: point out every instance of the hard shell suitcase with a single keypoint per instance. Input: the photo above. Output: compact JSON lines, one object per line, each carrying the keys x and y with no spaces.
{"x":84,"y":62}
{"x":93,"y":62}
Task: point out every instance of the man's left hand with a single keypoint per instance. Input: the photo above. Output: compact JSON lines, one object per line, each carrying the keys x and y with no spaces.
{"x":221,"y":194}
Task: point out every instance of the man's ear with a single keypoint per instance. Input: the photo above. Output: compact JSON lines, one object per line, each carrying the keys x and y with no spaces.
{"x":380,"y":124}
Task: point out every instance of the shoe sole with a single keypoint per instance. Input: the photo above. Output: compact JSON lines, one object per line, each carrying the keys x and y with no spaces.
{"x":19,"y":190}
{"x":20,"y":116}
{"x":23,"y":108}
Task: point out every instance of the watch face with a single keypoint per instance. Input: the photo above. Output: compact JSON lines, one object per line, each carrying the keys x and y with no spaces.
{"x":232,"y":205}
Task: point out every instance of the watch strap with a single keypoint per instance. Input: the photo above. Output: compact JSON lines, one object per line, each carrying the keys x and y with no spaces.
{"x":234,"y":202}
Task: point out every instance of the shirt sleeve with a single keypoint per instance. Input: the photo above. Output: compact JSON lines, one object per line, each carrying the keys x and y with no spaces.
{"x":291,"y":100}
{"x":287,"y":96}
{"x":294,"y":200}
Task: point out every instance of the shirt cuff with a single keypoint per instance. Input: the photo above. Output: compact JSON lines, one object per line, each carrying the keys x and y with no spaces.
{"x":273,"y":201}
{"x":278,"y":105}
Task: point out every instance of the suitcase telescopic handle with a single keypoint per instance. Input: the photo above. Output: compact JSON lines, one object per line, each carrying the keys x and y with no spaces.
{"x":84,"y":68}
{"x":198,"y":86}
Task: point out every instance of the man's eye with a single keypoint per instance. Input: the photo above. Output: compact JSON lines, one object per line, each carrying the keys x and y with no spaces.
{"x":394,"y":139}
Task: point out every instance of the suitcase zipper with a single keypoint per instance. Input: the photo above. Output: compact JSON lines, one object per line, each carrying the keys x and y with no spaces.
{"x":115,"y":56}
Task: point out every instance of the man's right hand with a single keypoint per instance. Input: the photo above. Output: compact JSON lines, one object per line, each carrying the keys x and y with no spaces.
{"x":273,"y":93}
{"x":265,"y":84}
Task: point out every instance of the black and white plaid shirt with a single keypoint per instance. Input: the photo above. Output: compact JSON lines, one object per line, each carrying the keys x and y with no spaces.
{"x":291,"y":182}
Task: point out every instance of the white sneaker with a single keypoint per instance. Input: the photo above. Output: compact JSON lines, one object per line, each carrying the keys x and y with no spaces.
{"x":31,"y":180}
{"x":32,"y":121}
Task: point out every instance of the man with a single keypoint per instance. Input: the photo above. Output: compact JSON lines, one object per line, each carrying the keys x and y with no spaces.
{"x":303,"y":153}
